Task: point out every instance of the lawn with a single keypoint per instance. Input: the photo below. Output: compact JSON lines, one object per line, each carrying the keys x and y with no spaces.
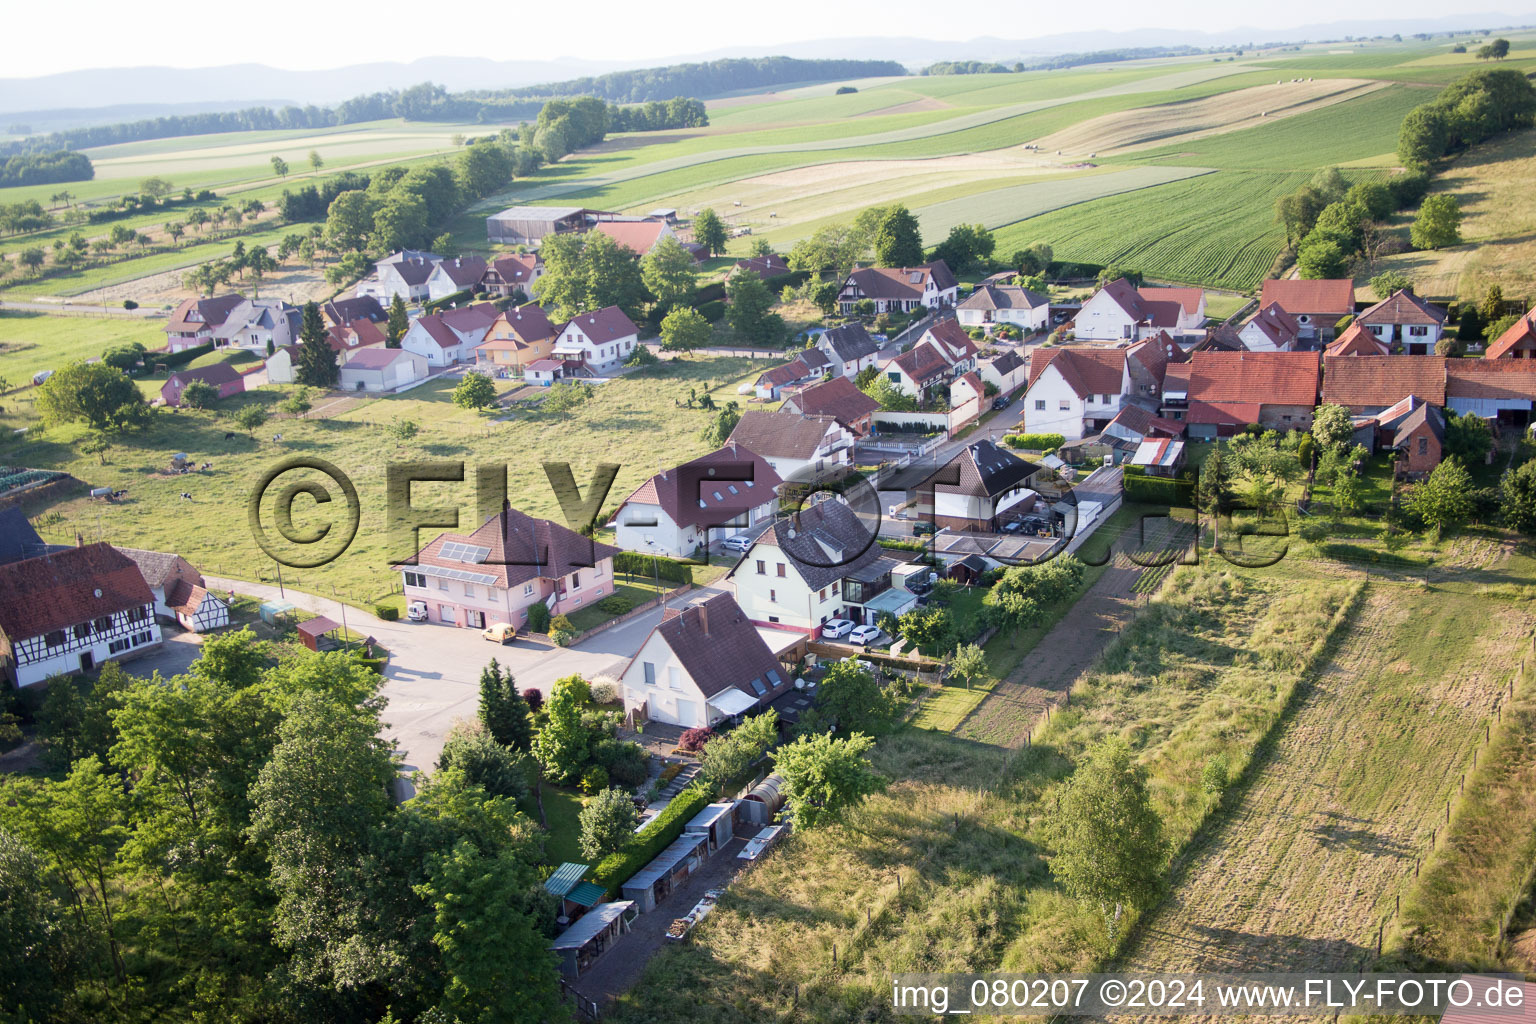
{"x":562,"y":820}
{"x":636,"y":592}
{"x":30,"y":342}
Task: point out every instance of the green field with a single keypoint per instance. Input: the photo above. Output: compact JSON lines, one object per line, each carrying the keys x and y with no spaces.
{"x":30,"y":342}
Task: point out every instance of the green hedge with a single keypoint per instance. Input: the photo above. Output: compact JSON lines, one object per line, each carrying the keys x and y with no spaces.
{"x":1035,"y":442}
{"x":1159,"y":490}
{"x":387,"y":612}
{"x":712,"y":292}
{"x":712,"y":311}
{"x":438,"y":305}
{"x":635,"y":563}
{"x":171,"y":360}
{"x":617,"y":868}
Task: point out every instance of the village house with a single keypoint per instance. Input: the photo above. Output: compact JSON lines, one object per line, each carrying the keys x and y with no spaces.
{"x":808,"y":365}
{"x":545,"y":372}
{"x":824,"y":564}
{"x":981,"y":483}
{"x":180,"y":592}
{"x":1517,"y":342}
{"x":1356,"y":341}
{"x":765,"y":267}
{"x":1074,"y":392}
{"x":918,"y":371}
{"x":512,"y":275}
{"x":449,"y":337}
{"x":512,"y":562}
{"x":967,"y":399}
{"x":702,"y":665}
{"x":638,"y":236}
{"x":344,"y":338}
{"x":517,"y":338}
{"x":838,"y":398}
{"x":1419,"y":442}
{"x":404,"y":273}
{"x":195,"y":320}
{"x":1146,"y":366}
{"x":1368,"y":386}
{"x":221,"y":376}
{"x":1403,"y":319}
{"x":953,"y":343}
{"x":381,"y":369}
{"x":1227,"y":391}
{"x":993,"y":304}
{"x":1005,"y":371}
{"x":70,"y":611}
{"x":1119,"y":312}
{"x":602,"y":339}
{"x":357,"y":307}
{"x":255,"y":324}
{"x":1136,"y":423}
{"x":679,"y":510}
{"x":1495,"y":389}
{"x":1317,"y":306}
{"x":794,"y":445}
{"x":848,"y":349}
{"x":1272,"y":329}
{"x":461,"y":273}
{"x":900,"y":289}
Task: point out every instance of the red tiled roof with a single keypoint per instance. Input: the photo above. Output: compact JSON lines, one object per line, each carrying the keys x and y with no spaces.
{"x":1256,"y":378}
{"x":516,"y":268}
{"x":1356,"y":341}
{"x":1277,"y":325}
{"x":907,"y":283}
{"x":639,"y":236}
{"x":837,"y":397}
{"x":1188,"y":298}
{"x":1230,"y":413}
{"x":954,"y":338}
{"x":1333,"y":297}
{"x":1383,"y":380}
{"x":185,"y":597}
{"x":527,"y":322}
{"x":1523,"y":329}
{"x":720,"y":648}
{"x":680,"y":490}
{"x":922,"y":363}
{"x":1510,"y":379}
{"x":604,"y":325}
{"x":213,"y":311}
{"x":1402,"y":307}
{"x":67,"y":587}
{"x":521,"y":549}
{"x":217,"y":374}
{"x":1087,"y":371}
{"x":771,"y":265}
{"x":784,"y":435}
{"x":1155,"y":353}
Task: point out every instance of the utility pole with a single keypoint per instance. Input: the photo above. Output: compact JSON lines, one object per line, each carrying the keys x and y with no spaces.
{"x":280,"y":592}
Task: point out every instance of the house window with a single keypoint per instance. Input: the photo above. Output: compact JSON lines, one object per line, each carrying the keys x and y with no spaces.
{"x":415,"y":579}
{"x":823,"y":595}
{"x":469,"y":591}
{"x":117,"y":646}
{"x":1418,"y":331}
{"x":773,"y":618}
{"x":1423,"y":446}
{"x":674,"y":677}
{"x":55,"y":638}
{"x":781,"y":570}
{"x":773,"y":596}
{"x":103,"y":624}
{"x":650,"y":674}
{"x":82,"y":631}
{"x":895,"y":376}
{"x":527,"y":589}
{"x":1103,"y":399}
{"x":1065,"y":405}
{"x":137,"y":614}
{"x":575,"y":581}
{"x":1039,"y":405}
{"x":762,"y":567}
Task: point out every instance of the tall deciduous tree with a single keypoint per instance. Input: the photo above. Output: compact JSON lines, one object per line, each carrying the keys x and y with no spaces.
{"x":1444,"y":501}
{"x":607,"y":823}
{"x":561,"y":744}
{"x":317,"y":360}
{"x":898,"y":242}
{"x":1438,"y":223}
{"x":684,"y":329}
{"x":825,"y":778}
{"x":95,"y":393}
{"x":709,"y":231}
{"x":668,"y":271}
{"x":280,"y":167}
{"x":750,"y":310}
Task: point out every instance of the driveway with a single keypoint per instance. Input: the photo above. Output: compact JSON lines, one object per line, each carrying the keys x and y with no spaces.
{"x":172,"y":658}
{"x":432,"y":678}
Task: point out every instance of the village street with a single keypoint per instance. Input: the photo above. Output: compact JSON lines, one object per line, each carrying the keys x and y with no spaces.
{"x":433,"y":674}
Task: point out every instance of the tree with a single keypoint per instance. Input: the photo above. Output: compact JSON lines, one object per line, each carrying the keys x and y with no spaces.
{"x":1517,"y":498}
{"x":349,"y":221}
{"x":613,"y":276}
{"x":566,"y":395}
{"x":750,"y":310}
{"x":1496,"y":50}
{"x":561,"y":744}
{"x":175,"y":229}
{"x":760,"y":247}
{"x":1438,"y":223}
{"x":279,"y":167}
{"x":930,"y":631}
{"x":1109,"y":845}
{"x":1332,"y":427}
{"x":400,"y":222}
{"x":1470,"y":324}
{"x":40,"y":934}
{"x":199,"y":394}
{"x":969,"y":663}
{"x":1033,"y":260}
{"x":1321,"y":257}
{"x":966,"y":245}
{"x":851,"y":696}
{"x":1329,"y":183}
{"x":401,"y":429}
{"x":1444,"y":501}
{"x":898,"y":242}
{"x":317,"y":360}
{"x":32,"y":257}
{"x":1467,"y":437}
{"x":825,"y":778}
{"x":607,"y":823}
{"x":94,"y":393}
{"x":481,"y":761}
{"x":398,"y":323}
{"x":721,"y":424}
{"x":684,"y":329}
{"x":728,"y":756}
{"x":1493,"y":306}
{"x":668,"y":271}
{"x":503,"y":711}
{"x":155,"y":188}
{"x":1389,"y":282}
{"x":251,"y":417}
{"x":709,"y":231}
{"x":1115,"y":272}
{"x":315,"y":162}
{"x":124,"y":357}
{"x":475,"y":390}
{"x":296,"y":404}
{"x":1298,"y":211}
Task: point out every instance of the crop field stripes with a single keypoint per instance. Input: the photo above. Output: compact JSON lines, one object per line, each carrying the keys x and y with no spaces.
{"x":1343,"y":804}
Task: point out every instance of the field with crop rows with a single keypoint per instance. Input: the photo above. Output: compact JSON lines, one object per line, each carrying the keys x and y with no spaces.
{"x":1216,"y":229}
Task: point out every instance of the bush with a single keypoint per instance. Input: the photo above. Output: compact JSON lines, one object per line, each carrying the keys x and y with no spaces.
{"x":535,"y":699}
{"x":615,"y":604}
{"x":712,"y":311}
{"x":694,"y":739}
{"x":387,"y":612}
{"x":538,"y":617}
{"x":1214,"y":777}
{"x":130,"y":304}
{"x":447,"y":301}
{"x":637,"y":564}
{"x":626,"y":762}
{"x":594,"y":779}
{"x":616,"y":868}
{"x":1158,"y":490}
{"x":562,"y":622}
{"x":605,"y":693}
{"x":1035,"y":442}
{"x":171,"y":360}
{"x":561,"y":637}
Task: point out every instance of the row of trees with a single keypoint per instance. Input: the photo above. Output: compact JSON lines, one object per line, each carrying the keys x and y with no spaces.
{"x":1333,"y":223}
{"x":45,"y":168}
{"x":1475,"y":107}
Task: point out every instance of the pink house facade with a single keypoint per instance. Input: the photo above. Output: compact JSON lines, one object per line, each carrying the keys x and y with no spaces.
{"x":512,"y":562}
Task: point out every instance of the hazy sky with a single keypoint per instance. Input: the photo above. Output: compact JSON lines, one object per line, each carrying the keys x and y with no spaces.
{"x":304,"y":34}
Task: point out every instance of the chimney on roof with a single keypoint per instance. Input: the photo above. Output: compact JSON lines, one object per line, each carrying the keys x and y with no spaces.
{"x":704,"y":617}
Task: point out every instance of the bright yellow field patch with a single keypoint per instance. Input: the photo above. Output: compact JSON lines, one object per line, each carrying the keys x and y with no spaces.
{"x":1144,"y":126}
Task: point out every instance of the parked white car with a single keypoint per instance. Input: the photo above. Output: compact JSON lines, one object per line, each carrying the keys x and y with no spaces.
{"x":741,"y":542}
{"x":835,"y":628}
{"x":416,"y":611}
{"x":864,"y":635}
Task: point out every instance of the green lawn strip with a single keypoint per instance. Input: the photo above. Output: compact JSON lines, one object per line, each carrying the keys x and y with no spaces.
{"x":562,"y":817}
{"x":637,"y":592}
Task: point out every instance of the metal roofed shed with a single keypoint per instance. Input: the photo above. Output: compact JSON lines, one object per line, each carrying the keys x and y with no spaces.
{"x":655,"y":882}
{"x":591,"y":936}
{"x":273,"y":612}
{"x":565,"y":878}
{"x":765,"y":800}
{"x":758,"y":844}
{"x":716,"y":822}
{"x":316,"y":633}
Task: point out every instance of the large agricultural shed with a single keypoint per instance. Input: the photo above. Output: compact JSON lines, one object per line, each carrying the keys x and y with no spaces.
{"x":527,"y":225}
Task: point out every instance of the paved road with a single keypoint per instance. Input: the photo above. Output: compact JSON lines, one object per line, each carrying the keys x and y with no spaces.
{"x":433,"y":675}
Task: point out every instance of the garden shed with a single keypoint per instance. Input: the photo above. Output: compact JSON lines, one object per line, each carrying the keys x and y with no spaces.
{"x":319,"y":634}
{"x":275,"y":613}
{"x":765,"y":801}
{"x":655,"y":882}
{"x":714,"y":821}
{"x":589,"y":938}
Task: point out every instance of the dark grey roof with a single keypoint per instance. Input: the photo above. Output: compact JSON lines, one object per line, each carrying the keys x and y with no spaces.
{"x":1425,"y":413}
{"x":154,"y":565}
{"x":824,"y":536}
{"x":17,"y":538}
{"x":986,"y":471}
{"x":1006,"y":363}
{"x":850,"y":342}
